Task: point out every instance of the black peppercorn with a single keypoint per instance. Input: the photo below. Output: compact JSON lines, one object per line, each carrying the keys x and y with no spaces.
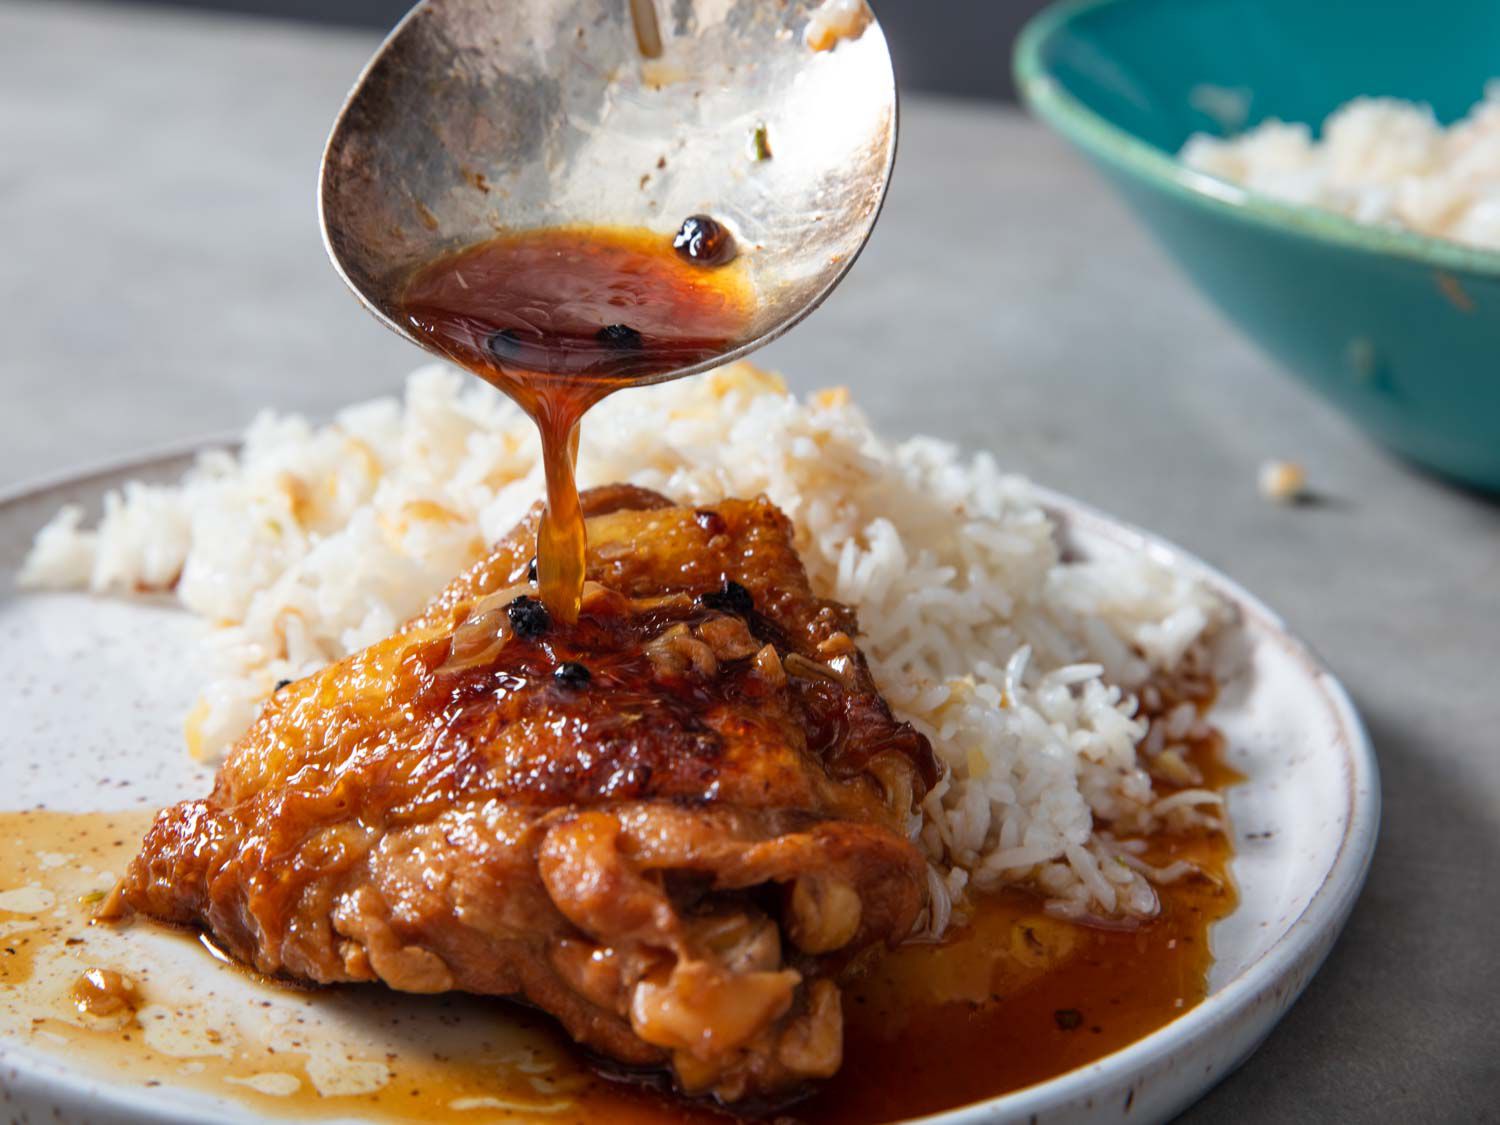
{"x":621,"y":337}
{"x":281,"y":684}
{"x":531,"y":570}
{"x":704,"y":241}
{"x":572,"y":674}
{"x":528,"y":617}
{"x":730,"y":597}
{"x":1067,"y":1019}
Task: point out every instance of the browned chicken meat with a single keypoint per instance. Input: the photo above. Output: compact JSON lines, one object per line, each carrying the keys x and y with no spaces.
{"x":673,"y":825}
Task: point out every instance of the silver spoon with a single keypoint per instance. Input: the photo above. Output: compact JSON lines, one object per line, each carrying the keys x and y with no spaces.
{"x":477,"y":117}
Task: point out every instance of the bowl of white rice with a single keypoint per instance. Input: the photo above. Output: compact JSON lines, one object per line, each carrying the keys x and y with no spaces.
{"x":1328,"y":174}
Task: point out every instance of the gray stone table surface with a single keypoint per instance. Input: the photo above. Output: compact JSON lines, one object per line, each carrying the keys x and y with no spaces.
{"x":161,"y":277}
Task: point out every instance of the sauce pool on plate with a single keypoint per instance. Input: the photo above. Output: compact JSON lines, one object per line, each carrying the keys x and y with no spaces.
{"x":1011,"y":998}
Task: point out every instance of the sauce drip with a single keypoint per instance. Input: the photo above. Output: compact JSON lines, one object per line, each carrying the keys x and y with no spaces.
{"x":560,"y":317}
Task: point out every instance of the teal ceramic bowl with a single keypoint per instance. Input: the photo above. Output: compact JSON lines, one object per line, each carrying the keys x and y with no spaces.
{"x":1399,"y":330}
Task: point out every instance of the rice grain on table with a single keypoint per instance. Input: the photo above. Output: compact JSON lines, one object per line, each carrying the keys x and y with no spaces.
{"x":1024,"y":669}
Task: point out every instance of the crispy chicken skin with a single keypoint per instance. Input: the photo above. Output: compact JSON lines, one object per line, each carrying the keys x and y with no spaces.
{"x":672,"y":825}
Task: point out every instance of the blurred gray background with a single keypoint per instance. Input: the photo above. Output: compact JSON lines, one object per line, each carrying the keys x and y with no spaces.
{"x":958,"y":47}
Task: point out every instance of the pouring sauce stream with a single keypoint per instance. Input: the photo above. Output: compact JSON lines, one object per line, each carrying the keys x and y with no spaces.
{"x":560,"y":317}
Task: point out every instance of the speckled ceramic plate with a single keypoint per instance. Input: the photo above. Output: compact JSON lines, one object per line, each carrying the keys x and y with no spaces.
{"x":94,"y":692}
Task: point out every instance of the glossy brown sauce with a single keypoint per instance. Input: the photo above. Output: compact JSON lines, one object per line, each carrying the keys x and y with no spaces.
{"x":559,"y":318}
{"x":1017,"y":996}
{"x":598,"y":680}
{"x":361,"y":1052}
{"x":105,"y":993}
{"x":1011,"y":998}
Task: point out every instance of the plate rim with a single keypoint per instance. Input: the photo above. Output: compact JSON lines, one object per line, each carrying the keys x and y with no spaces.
{"x":1294,"y":956}
{"x":1308,"y":937}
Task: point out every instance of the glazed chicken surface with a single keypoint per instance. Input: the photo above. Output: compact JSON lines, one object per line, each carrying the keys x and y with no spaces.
{"x":673,"y":825}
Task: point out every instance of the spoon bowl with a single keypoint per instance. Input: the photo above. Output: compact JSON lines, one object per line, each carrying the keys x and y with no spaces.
{"x":477,"y":118}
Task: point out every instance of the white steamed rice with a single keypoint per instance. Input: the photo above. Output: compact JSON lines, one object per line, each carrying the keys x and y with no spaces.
{"x":1379,"y":160}
{"x":1023,"y":669}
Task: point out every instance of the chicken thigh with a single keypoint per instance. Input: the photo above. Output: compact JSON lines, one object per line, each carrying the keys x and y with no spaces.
{"x":674,"y":825}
